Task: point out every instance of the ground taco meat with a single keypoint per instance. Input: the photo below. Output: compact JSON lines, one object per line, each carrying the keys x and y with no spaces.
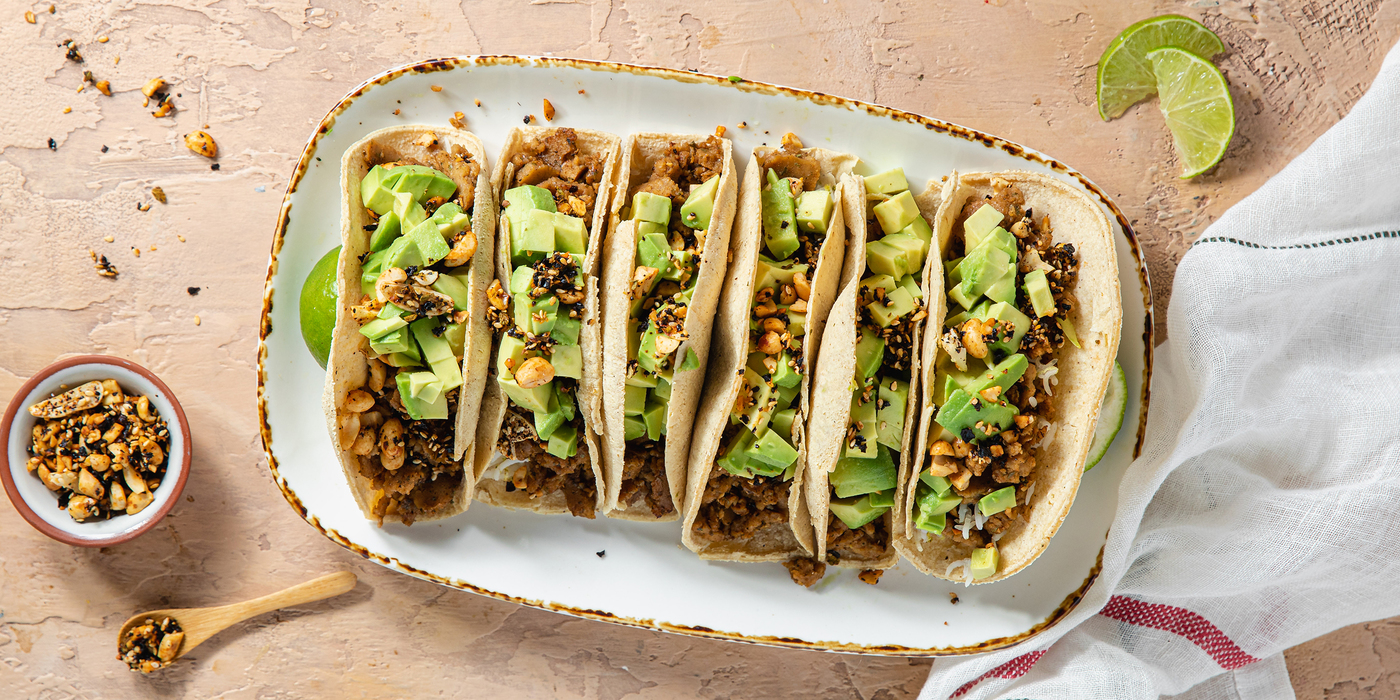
{"x":544,"y":473}
{"x":865,"y":543}
{"x":734,"y":508}
{"x":683,"y":165}
{"x":644,"y":477}
{"x":554,"y":162}
{"x":805,"y":571}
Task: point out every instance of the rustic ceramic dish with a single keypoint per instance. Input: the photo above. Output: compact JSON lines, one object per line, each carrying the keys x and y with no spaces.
{"x":637,"y":573}
{"x":37,"y":504}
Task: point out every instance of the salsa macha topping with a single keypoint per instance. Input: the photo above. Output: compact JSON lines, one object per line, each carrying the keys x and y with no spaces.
{"x":151,"y":645}
{"x":996,"y":376}
{"x":102,"y":450}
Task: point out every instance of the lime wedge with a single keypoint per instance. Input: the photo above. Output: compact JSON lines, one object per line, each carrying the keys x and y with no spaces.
{"x":1196,"y":103}
{"x":1125,"y":75}
{"x":1111,"y":412}
{"x":319,"y":299}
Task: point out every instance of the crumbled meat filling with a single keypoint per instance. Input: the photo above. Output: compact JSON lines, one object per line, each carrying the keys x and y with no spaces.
{"x":681,"y":166}
{"x":791,"y":162}
{"x":734,"y":508}
{"x":644,"y":476}
{"x":408,"y":462}
{"x":805,"y":571}
{"x":867,"y":542}
{"x":543,"y":473}
{"x":555,"y":163}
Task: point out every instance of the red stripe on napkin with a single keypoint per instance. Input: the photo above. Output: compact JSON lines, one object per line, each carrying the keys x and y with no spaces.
{"x":1014,"y":668}
{"x":1170,"y":618}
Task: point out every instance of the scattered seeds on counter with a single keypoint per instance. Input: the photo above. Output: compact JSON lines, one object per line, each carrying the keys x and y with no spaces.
{"x":458,"y":120}
{"x":72,"y":47}
{"x":153,"y":86}
{"x":214,"y":166}
{"x":529,"y":117}
{"x":29,"y":17}
{"x":159,"y":194}
{"x":743,"y":125}
{"x":52,"y":9}
{"x":101,"y":39}
{"x":952,"y":597}
{"x":104,"y":149}
{"x":719,"y":131}
{"x":397,"y":111}
{"x":104,"y":268}
{"x":108,"y":239}
{"x":103,"y":87}
{"x":548,"y":111}
{"x":153,"y":248}
{"x":66,"y":110}
{"x":136,"y":251}
{"x":436,"y":88}
{"x":581,"y":92}
{"x":181,"y":238}
{"x":601,"y":553}
{"x":202,"y":143}
{"x":143,"y":206}
{"x":196,"y":320}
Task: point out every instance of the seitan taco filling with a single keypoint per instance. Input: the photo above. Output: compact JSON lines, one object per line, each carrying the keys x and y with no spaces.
{"x":413,"y":316}
{"x":995,"y":380}
{"x":672,"y":211}
{"x":548,"y":212}
{"x":749,"y":491}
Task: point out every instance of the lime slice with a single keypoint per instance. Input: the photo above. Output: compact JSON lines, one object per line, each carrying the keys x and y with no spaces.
{"x":1196,"y":103}
{"x":1111,"y":412}
{"x":318,"y":303}
{"x":1125,"y":75}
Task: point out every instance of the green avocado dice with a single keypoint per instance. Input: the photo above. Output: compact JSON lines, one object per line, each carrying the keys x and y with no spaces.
{"x":982,"y":268}
{"x":920,"y":229}
{"x":647,"y":206}
{"x":456,"y":336}
{"x":997,"y":501}
{"x":437,"y":352}
{"x":430,"y":243}
{"x":779,"y":217}
{"x":998,"y":238}
{"x":386,"y":230}
{"x":770,"y":274}
{"x":509,"y":355}
{"x":951,"y":273}
{"x":1038,"y":291}
{"x":566,"y":401}
{"x":532,"y":238}
{"x":938,"y":484}
{"x":934,"y":524}
{"x":735,"y":456}
{"x":654,"y":415}
{"x":419,"y":409}
{"x":771,"y":449}
{"x":885,"y":259}
{"x":424,"y":386}
{"x":1020,"y":323}
{"x":984,"y":562}
{"x":756,"y":416}
{"x":653,"y":251}
{"x":932,"y":502}
{"x":797,"y":324}
{"x":888,"y":182}
{"x":662,"y":390}
{"x":958,"y":294}
{"x":522,"y":279}
{"x":399,"y":340}
{"x":1003,"y":375}
{"x":546,"y":422}
{"x":782,"y":423}
{"x":680,"y":264}
{"x":645,"y":227}
{"x":536,"y":399}
{"x":864,"y":417}
{"x":369,"y":272}
{"x":569,"y":234}
{"x":983,"y":220}
{"x":424,"y":183}
{"x":633,"y":427}
{"x":882,"y":498}
{"x":786,"y":375}
{"x":910,"y":283}
{"x":1004,"y":289}
{"x":814,"y":210}
{"x":389,"y":319}
{"x":642,"y":378}
{"x":648,"y":357}
{"x":520,"y":305}
{"x":567,"y":361}
{"x":524,"y":199}
{"x":784,"y":395}
{"x":913,"y":248}
{"x":700,"y":205}
{"x":897,"y":303}
{"x":896,"y":212}
{"x":884,"y":283}
{"x":401,"y":359}
{"x":564,"y":442}
{"x":854,"y":476}
{"x":870,"y":352}
{"x":634,"y":400}
{"x":543,"y":313}
{"x":451,"y":220}
{"x":856,"y":512}
{"x":566,"y":329}
{"x":377,"y":188}
{"x":453,"y":287}
{"x":894,"y":396}
{"x":964,"y":410}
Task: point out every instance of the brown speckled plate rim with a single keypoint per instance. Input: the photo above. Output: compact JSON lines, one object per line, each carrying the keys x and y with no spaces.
{"x":450,"y":63}
{"x":23,"y":506}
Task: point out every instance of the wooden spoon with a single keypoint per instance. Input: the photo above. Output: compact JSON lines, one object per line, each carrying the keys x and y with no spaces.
{"x":200,"y":624}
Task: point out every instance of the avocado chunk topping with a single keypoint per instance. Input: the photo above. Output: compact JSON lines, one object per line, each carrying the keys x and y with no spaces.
{"x":855,"y":476}
{"x":700,"y":205}
{"x":893,"y":396}
{"x":986,"y":218}
{"x":651,"y":207}
{"x":888,"y":182}
{"x":856,"y":512}
{"x":984,"y":562}
{"x":1038,"y":291}
{"x":896,"y":212}
{"x":524,"y":199}
{"x":779,"y":217}
{"x":997,"y":501}
{"x":814,"y":210}
{"x":870,"y":353}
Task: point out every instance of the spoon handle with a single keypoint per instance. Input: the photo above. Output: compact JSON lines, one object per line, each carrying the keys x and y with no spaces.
{"x":316,"y":589}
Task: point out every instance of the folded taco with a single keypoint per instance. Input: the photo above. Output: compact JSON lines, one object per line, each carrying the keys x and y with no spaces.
{"x":1019,"y":367}
{"x":663,"y":268}
{"x":541,"y":407}
{"x":865,"y":385}
{"x":406,"y":366}
{"x":744,"y":492}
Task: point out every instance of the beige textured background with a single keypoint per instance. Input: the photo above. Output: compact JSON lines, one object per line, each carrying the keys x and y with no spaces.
{"x":261,"y":74}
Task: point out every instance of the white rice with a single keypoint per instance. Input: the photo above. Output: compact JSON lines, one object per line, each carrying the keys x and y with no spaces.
{"x":1030,"y":493}
{"x":979,"y":518}
{"x":1049,"y":435}
{"x":1046,"y":373}
{"x":964,"y":522}
{"x":1031,"y":400}
{"x":966,"y":565}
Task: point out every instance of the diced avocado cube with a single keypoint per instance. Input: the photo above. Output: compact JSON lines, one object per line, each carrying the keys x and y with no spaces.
{"x":933,"y":502}
{"x":642,"y":378}
{"x":400,"y":359}
{"x":913,"y":248}
{"x":997,"y":501}
{"x":770,"y":274}
{"x":779,"y":217}
{"x":424,"y":386}
{"x":424,"y":183}
{"x":883,"y":499}
{"x":456,"y":336}
{"x":1003,"y":375}
{"x":870,"y":352}
{"x":403,"y":253}
{"x":566,"y":329}
{"x":888,"y":182}
{"x":451,"y":220}
{"x":757,"y":415}
{"x":645,"y":227}
{"x":920,"y":229}
{"x":934,"y":524}
{"x":524,"y":199}
{"x":536,"y":399}
{"x":522,"y":279}
{"x":634,"y":400}
{"x":964,"y":410}
{"x":520,"y":305}
{"x":654,"y":415}
{"x":771,"y":449}
{"x":983,"y":220}
{"x":633,"y":427}
{"x":700,"y":205}
{"x":894,"y":395}
{"x":436,"y":410}
{"x":430,"y":243}
{"x":399,"y":340}
{"x":566,"y":401}
{"x":964,"y":300}
{"x":653,"y":251}
{"x":814,"y":210}
{"x":377,"y":188}
{"x":532,"y":238}
{"x":569,"y":234}
{"x":998,"y":238}
{"x":679,"y":265}
{"x":420,"y":409}
{"x":453,"y":287}
{"x":386,"y":322}
{"x":564,"y":442}
{"x":647,"y":206}
{"x":369,"y":272}
{"x":648,"y":357}
{"x":797,"y":324}
{"x":897,"y":212}
{"x":567,"y":361}
{"x":1067,"y":326}
{"x":937,"y":484}
{"x":385,"y":231}
{"x":856,"y":512}
{"x":951,"y":271}
{"x":1038,"y":291}
{"x":886,"y":283}
{"x":786,"y":374}
{"x":885,"y":259}
{"x":1004,"y":289}
{"x":437,"y":352}
{"x":782,"y":423}
{"x":910,"y":283}
{"x":547,"y":422}
{"x":510,"y":355}
{"x":735,"y":456}
{"x":982,"y":268}
{"x":785,"y":395}
{"x":662,"y":390}
{"x":897,"y":303}
{"x":864,"y":417}
{"x":543,"y":313}
{"x":1020,"y":323}
{"x":984,"y":562}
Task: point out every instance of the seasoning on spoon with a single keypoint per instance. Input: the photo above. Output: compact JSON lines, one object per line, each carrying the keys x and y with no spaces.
{"x":149,"y":646}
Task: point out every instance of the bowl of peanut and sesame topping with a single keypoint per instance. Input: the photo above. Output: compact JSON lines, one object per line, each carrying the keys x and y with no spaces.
{"x":97,"y":450}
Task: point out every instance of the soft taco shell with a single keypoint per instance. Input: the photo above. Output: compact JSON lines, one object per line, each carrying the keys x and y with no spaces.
{"x":639,"y":152}
{"x":831,"y":387}
{"x":1083,"y":372}
{"x":729,"y":351}
{"x":490,"y":465}
{"x":347,"y":366}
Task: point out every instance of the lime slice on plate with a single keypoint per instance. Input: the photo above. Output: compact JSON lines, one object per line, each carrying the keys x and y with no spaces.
{"x":318,"y":303}
{"x":1111,"y":412}
{"x":1125,"y":74}
{"x":1196,"y":103}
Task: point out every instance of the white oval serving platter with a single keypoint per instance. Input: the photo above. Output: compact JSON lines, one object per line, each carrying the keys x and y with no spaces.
{"x":638,"y":573}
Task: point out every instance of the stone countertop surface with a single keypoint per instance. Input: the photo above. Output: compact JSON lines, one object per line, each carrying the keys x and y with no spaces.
{"x":75,"y":165}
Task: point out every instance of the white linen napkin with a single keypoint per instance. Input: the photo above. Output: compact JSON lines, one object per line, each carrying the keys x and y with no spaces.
{"x":1265,"y":508}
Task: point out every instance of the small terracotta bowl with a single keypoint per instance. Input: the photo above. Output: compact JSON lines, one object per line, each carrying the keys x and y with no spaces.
{"x":37,"y":504}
